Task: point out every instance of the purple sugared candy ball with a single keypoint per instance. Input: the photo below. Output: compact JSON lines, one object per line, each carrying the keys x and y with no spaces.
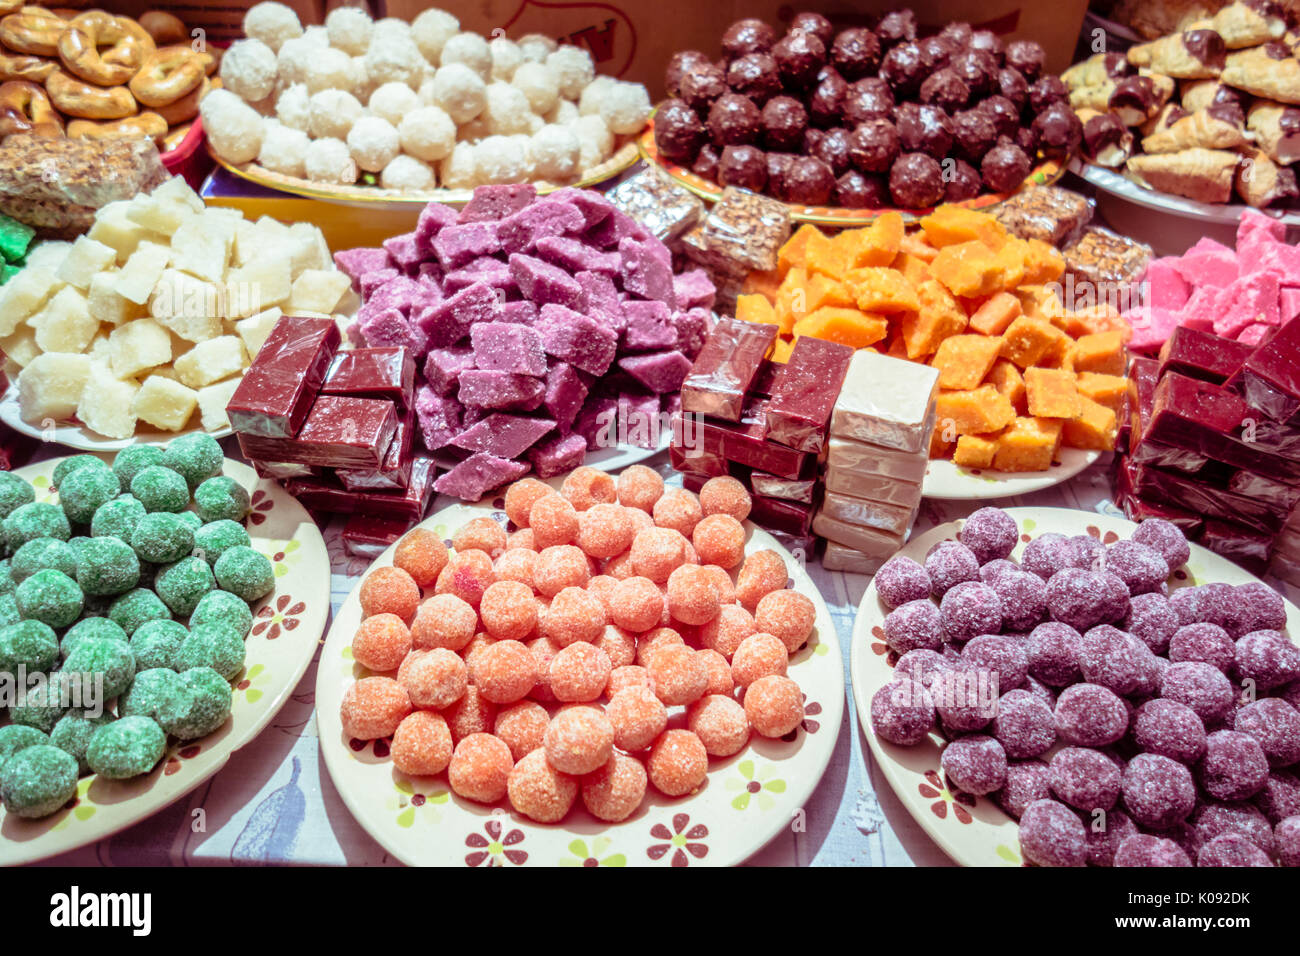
{"x":1053,"y":653}
{"x":1207,"y":643}
{"x":1085,"y":779}
{"x":950,"y":563}
{"x":1024,"y":725}
{"x":1090,"y":716}
{"x":1280,"y":796}
{"x":976,"y":764}
{"x":990,"y":533}
{"x":1105,"y":837}
{"x":1286,"y":841}
{"x":1158,"y":792}
{"x":1257,"y":607}
{"x":1232,"y":849}
{"x":1023,"y":596}
{"x":900,"y":579}
{"x":1111,"y":658}
{"x":1213,"y":819}
{"x":1268,"y":658}
{"x":1047,"y":554}
{"x":1201,"y":687}
{"x":970,"y":609}
{"x":1151,"y":620}
{"x":1234,"y":766}
{"x":914,"y":624}
{"x":994,"y":569}
{"x":1276,"y":725}
{"x":1170,"y":729}
{"x":1084,"y":599}
{"x":1141,"y":568}
{"x":921,"y":665}
{"x":1052,"y":835}
{"x":1165,"y":537}
{"x":1145,"y":849}
{"x":902,"y":712}
{"x":966,"y":698}
{"x":1004,"y":656}
{"x":1027,"y":781}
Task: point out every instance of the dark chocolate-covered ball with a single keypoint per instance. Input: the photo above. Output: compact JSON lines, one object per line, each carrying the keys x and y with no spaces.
{"x":1004,"y":168}
{"x":778,"y":164}
{"x":679,"y":64}
{"x":1045,"y":91}
{"x":747,"y":36}
{"x":946,"y":90}
{"x":833,"y":150}
{"x":754,"y":75}
{"x":1026,"y":137}
{"x":678,"y":132}
{"x":924,"y":128}
{"x":916,"y":181}
{"x":978,"y":69}
{"x":855,"y":52}
{"x":988,"y":41}
{"x":826,"y":101}
{"x":743,"y":166}
{"x":874,"y":145}
{"x":1013,"y":85}
{"x":974,"y":133}
{"x":903,"y":68}
{"x":896,"y":27}
{"x":813,"y":23}
{"x":734,"y":120}
{"x":855,"y":190}
{"x":868,"y":98}
{"x":1005,"y":115}
{"x":962,"y":180}
{"x":958,"y":32}
{"x":1058,"y":128}
{"x":1025,"y":56}
{"x":809,"y":182}
{"x":799,"y":56}
{"x":700,"y":87}
{"x":936,"y":51}
{"x":706,"y":162}
{"x":784,"y":122}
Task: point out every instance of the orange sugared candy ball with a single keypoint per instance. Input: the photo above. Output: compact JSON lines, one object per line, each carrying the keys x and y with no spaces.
{"x":637,"y":604}
{"x":480,"y":640}
{"x":604,"y":530}
{"x":472,"y":714}
{"x":509,"y":610}
{"x":422,"y":744}
{"x":521,"y":496}
{"x":382,"y":642}
{"x":640,"y":487}
{"x":553,"y":521}
{"x":719,"y":671}
{"x":725,"y":632}
{"x":523,"y":538}
{"x":658,"y":552}
{"x":517,"y":564}
{"x":692,"y":595}
{"x":504,"y":672}
{"x":678,"y":673}
{"x":480,"y":766}
{"x":586,"y":486}
{"x":578,"y":740}
{"x":574,"y":615}
{"x":759,"y":655}
{"x":558,"y":567}
{"x":678,"y":763}
{"x":373,"y":707}
{"x":649,"y":643}
{"x":722,"y":580}
{"x":467,"y":575}
{"x":522,"y":727}
{"x":720,"y":539}
{"x":720,"y":723}
{"x":638,"y":717}
{"x":787,"y":614}
{"x":543,"y":650}
{"x":615,"y":791}
{"x":422,"y":555}
{"x":678,"y":509}
{"x":601,"y":587}
{"x":539,"y":791}
{"x":763,"y":572}
{"x":433,"y":679}
{"x":628,"y":675}
{"x":389,"y":591}
{"x":619,"y":568}
{"x":482,"y":534}
{"x":725,"y":495}
{"x":579,"y":672}
{"x":640,"y":520}
{"x":444,"y":620}
{"x":619,"y":644}
{"x":774,"y":705}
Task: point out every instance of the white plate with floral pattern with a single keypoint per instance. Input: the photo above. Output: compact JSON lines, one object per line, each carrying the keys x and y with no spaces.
{"x":748,"y":798}
{"x":948,"y":481}
{"x":287,"y":625}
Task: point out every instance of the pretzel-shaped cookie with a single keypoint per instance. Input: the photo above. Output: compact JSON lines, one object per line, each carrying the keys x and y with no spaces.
{"x":24,"y":108}
{"x":143,"y":124}
{"x":167,"y":75}
{"x":19,"y":66}
{"x":87,"y":101}
{"x":123,"y":49}
{"x":33,"y":30}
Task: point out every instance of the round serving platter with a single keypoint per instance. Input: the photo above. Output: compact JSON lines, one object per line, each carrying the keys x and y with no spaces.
{"x":947,"y":481}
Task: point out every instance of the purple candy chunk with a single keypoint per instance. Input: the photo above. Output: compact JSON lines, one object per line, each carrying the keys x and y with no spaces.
{"x":648,"y":326}
{"x":949,"y":563}
{"x":489,"y":271}
{"x":405,"y":251}
{"x":504,"y":436}
{"x":381,"y":327}
{"x":638,"y":417}
{"x":693,"y":327}
{"x":597,"y":417}
{"x":439,"y":417}
{"x":990,"y":533}
{"x":646,"y":271}
{"x":575,"y":256}
{"x":1166,"y":727}
{"x":433,"y":219}
{"x":899,"y":580}
{"x":658,"y":371}
{"x":594,"y":207}
{"x":600,"y":299}
{"x":520,"y":231}
{"x":542,"y":282}
{"x":402,"y":293}
{"x":1085,"y":779}
{"x":355,"y":263}
{"x":902,"y":712}
{"x":497,"y":202}
{"x":502,"y":390}
{"x":1089,"y":715}
{"x":1026,"y":783}
{"x":373,"y":280}
{"x":614,"y":228}
{"x":976,"y":765}
{"x":462,"y":243}
{"x":1052,"y":835}
{"x":577,"y":339}
{"x":442,"y":367}
{"x":1158,"y":792}
{"x":522,"y":312}
{"x":694,"y":290}
{"x":558,"y":456}
{"x":477,"y":475}
{"x":1152,"y":620}
{"x":508,"y":347}
{"x":565,"y":393}
{"x":448,"y":321}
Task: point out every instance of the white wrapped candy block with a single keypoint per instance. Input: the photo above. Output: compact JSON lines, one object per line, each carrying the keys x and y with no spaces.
{"x":255,"y":329}
{"x":106,"y":401}
{"x":317,"y":290}
{"x":50,"y":386}
{"x":165,"y":403}
{"x":86,"y":259}
{"x":143,"y":271}
{"x":138,"y":345}
{"x":211,"y":361}
{"x":187,"y":306}
{"x":24,"y":294}
{"x":65,"y":324}
{"x":213,"y":401}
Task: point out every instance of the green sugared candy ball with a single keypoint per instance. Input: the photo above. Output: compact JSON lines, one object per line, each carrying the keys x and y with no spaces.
{"x":97,"y":628}
{"x":83,"y":492}
{"x":39,"y":554}
{"x":9,"y":613}
{"x":211,"y":645}
{"x":245,"y":573}
{"x":150,"y":693}
{"x":125,"y":748}
{"x":160,"y":489}
{"x":117,"y":518}
{"x":39,"y":519}
{"x":93,"y":659}
{"x":38,"y":780}
{"x":74,"y":464}
{"x":162,"y":537}
{"x":7,"y":583}
{"x":73,"y":732}
{"x":29,"y":644}
{"x":215,"y":538}
{"x":134,"y":458}
{"x":14,"y":493}
{"x":135,"y":607}
{"x":192,"y":519}
{"x":221,"y":497}
{"x":50,"y":597}
{"x":107,"y":566}
{"x":183,"y":584}
{"x":155,"y":644}
{"x":16,"y":737}
{"x":202,"y":705}
{"x":196,"y":456}
{"x":224,"y":610}
{"x":41,"y":706}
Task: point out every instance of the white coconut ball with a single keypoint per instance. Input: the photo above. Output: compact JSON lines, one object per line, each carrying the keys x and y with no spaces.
{"x":272,"y":23}
{"x":566,"y":111}
{"x":524,"y":144}
{"x":349,"y":29}
{"x":407,"y":173}
{"x":329,"y":161}
{"x":394,"y":60}
{"x":292,"y":60}
{"x":506,"y":57}
{"x":329,"y":69}
{"x":508,"y":110}
{"x":284,"y":149}
{"x":536,"y":47}
{"x":392,"y":101}
{"x":501,"y":160}
{"x":292,"y":107}
{"x":390,"y":29}
{"x":540,"y":84}
{"x":626,"y":108}
{"x":471,"y":50}
{"x":431,"y":30}
{"x":248,"y":70}
{"x":595,"y":141}
{"x":359,"y":83}
{"x":317,"y":36}
{"x":573,"y":68}
{"x":460,"y":91}
{"x":594,"y":93}
{"x":425,"y":91}
{"x":427,"y":133}
{"x":373,"y":142}
{"x":556,"y":153}
{"x":476,"y":129}
{"x":333,"y":113}
{"x":460,"y":169}
{"x":233,"y":127}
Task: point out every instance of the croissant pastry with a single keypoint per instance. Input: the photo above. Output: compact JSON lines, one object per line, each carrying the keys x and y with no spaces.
{"x":1193,"y":55}
{"x":1204,"y":128}
{"x":1205,"y":175}
{"x":1277,"y":130}
{"x":1107,"y":141}
{"x":1137,"y":98}
{"x":1269,"y":71}
{"x":1097,"y":70}
{"x":1260,"y":181}
{"x":1246,"y":24}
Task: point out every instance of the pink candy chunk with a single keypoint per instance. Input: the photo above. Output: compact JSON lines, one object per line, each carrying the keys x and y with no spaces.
{"x":508,"y":347}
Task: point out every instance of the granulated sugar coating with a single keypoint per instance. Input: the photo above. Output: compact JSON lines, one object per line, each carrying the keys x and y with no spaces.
{"x":539,"y":791}
{"x":1146,"y":849}
{"x":472,"y":714}
{"x":1280,"y":796}
{"x":1023,"y":597}
{"x":389,"y":591}
{"x":508,"y":610}
{"x":433,"y":679}
{"x":976,"y":764}
{"x":965,"y":698}
{"x":718,"y":671}
{"x":638,"y":717}
{"x":1166,"y":538}
{"x":619,"y":644}
{"x":522,"y":727}
{"x":579,"y":673}
{"x":1232,"y":849}
{"x":1049,"y":554}
{"x":1002,"y":656}
{"x":759,"y":655}
{"x":649,"y":643}
{"x":1152,"y":619}
{"x":719,"y":540}
{"x":692,"y":595}
{"x":422,"y":744}
{"x":381,"y":642}
{"x":553,"y":521}
{"x":586,"y":486}
{"x":574,"y":615}
{"x":443,"y":620}
{"x":724,"y":495}
{"x":996,"y":568}
{"x":921,"y":666}
{"x":657,"y":552}
{"x":1199,"y":686}
{"x":949,"y":563}
{"x":1212,"y":819}
{"x":1084,"y":599}
{"x":1109,"y":657}
{"x":678,"y":673}
{"x":1085,"y":779}
{"x":615,"y":791}
{"x":481,"y":534}
{"x":1051,"y":835}
{"x":1170,"y":729}
{"x":479,"y":768}
{"x":774,"y":705}
{"x":629,"y":675}
{"x":636,"y":603}
{"x":990,"y":533}
{"x":578,"y":739}
{"x":900,"y":580}
{"x":720,"y":723}
{"x":969,"y":609}
{"x":1158,"y":792}
{"x":1052,"y":653}
{"x":1027,"y":781}
{"x":1268,"y":658}
{"x":504,"y":672}
{"x":558,"y":567}
{"x":1105,"y":838}
{"x":1142,"y":569}
{"x":916,"y":624}
{"x":678,"y":509}
{"x":605,"y":530}
{"x":1276,"y":725}
{"x":722,"y":581}
{"x":639,"y":487}
{"x":1024,"y":725}
{"x":373,"y":707}
{"x":1234,"y":766}
{"x":1208,"y":643}
{"x":1257,"y":607}
{"x":543,"y":650}
{"x":1287,"y":841}
{"x":762,"y":573}
{"x":787,"y":614}
{"x":520,"y":498}
{"x":467,"y":575}
{"x":725,"y":632}
{"x":678,"y":763}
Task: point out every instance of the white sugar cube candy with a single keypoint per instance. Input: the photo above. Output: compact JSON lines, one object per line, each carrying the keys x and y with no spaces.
{"x":99,"y":348}
{"x":187,"y":306}
{"x":200,"y":250}
{"x":105,"y":404}
{"x":210,"y":361}
{"x":136,"y":346}
{"x":48,"y":255}
{"x":50,"y":386}
{"x":318,"y":290}
{"x":307,"y":248}
{"x":165,"y":403}
{"x":259,"y":239}
{"x":143,"y":271}
{"x":65,"y":324}
{"x":84,"y":261}
{"x":106,"y":305}
{"x":254,"y":329}
{"x":213,"y":401}
{"x":176,"y":189}
{"x":21,"y":347}
{"x":258,"y":285}
{"x":24,"y":294}
{"x":159,"y":215}
{"x":114,"y":227}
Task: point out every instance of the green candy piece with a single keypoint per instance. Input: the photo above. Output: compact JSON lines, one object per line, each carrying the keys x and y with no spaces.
{"x":39,"y":554}
{"x":9,"y":613}
{"x":134,"y":458}
{"x":192,"y":519}
{"x":38,"y":780}
{"x":95,"y":628}
{"x":150,"y":692}
{"x":73,"y":732}
{"x":94,"y":660}
{"x":197,"y":456}
{"x":183,"y":584}
{"x":162,"y":537}
{"x":160,"y":489}
{"x":222,"y":497}
{"x":117,"y":518}
{"x":15,"y":237}
{"x":83,"y":492}
{"x":201,"y":706}
{"x":8,"y":271}
{"x":135,"y":607}
{"x":41,"y":705}
{"x":155,"y":643}
{"x":7,"y":583}
{"x":225,"y":610}
{"x":74,"y":464}
{"x":211,"y":645}
{"x":39,"y":519}
{"x":16,"y":737}
{"x":126,"y":748}
{"x":14,"y":493}
{"x":50,"y":597}
{"x":29,"y":644}
{"x":107,"y":566}
{"x":213,"y":539}
{"x":245,"y":572}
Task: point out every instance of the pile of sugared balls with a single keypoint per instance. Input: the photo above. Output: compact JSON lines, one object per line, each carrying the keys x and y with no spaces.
{"x":413,"y":106}
{"x":1121,"y":722}
{"x":94,"y":591}
{"x":548,"y":662}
